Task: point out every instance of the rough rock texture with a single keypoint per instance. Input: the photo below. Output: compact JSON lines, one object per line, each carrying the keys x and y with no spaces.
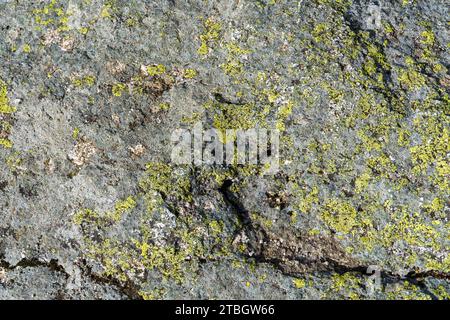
{"x":91,"y":206}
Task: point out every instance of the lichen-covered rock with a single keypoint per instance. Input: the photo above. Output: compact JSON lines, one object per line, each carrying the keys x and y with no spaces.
{"x":92,"y":207}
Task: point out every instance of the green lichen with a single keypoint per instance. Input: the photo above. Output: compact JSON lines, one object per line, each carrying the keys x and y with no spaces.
{"x":190,"y":73}
{"x":53,"y":15}
{"x":234,"y":66}
{"x":86,"y":81}
{"x":75,"y":133}
{"x":284,"y":111}
{"x":299,"y":283}
{"x":441,"y":293}
{"x":122,"y":207}
{"x":340,"y":216}
{"x":435,"y":208}
{"x":321,"y":34}
{"x":410,"y":78}
{"x":6,"y":143}
{"x":163,"y":180}
{"x":5,"y":107}
{"x":434,"y":147}
{"x":427,"y":38}
{"x":362,"y":182}
{"x":26,"y":48}
{"x":347,"y":285}
{"x":164,"y":106}
{"x":307,"y":200}
{"x":5,"y":110}
{"x":211,"y":35}
{"x":156,"y":70}
{"x":411,"y":229}
{"x":118,"y":89}
{"x":91,"y":216}
{"x":406,"y":291}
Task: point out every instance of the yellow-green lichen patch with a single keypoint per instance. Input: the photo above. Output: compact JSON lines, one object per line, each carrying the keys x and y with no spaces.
{"x":347,"y":285}
{"x":5,"y":112}
{"x":118,"y":89}
{"x":299,"y":283}
{"x":306,"y":200}
{"x":162,"y":179}
{"x":26,"y":48}
{"x":441,"y":293}
{"x":340,"y":216}
{"x":91,"y":216}
{"x":406,"y":291}
{"x":155,"y":294}
{"x":193,"y":237}
{"x":410,"y":78}
{"x":435,"y":141}
{"x":85,"y":81}
{"x":106,"y":12}
{"x":156,"y":70}
{"x":75,"y":133}
{"x":362,"y":182}
{"x":284,"y":111}
{"x":234,"y":66}
{"x":53,"y":15}
{"x":435,"y":208}
{"x":152,"y":80}
{"x":190,"y":73}
{"x":5,"y":107}
{"x":210,"y":36}
{"x":122,"y":207}
{"x":412,"y":229}
{"x":6,"y":143}
{"x":234,"y":117}
{"x":322,"y":34}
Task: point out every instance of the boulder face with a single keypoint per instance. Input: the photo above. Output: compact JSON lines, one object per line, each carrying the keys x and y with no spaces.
{"x":94,"y":205}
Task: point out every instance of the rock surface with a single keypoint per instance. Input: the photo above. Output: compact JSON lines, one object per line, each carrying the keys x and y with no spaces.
{"x":91,"y":206}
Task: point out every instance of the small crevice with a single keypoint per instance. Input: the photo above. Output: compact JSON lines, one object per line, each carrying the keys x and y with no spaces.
{"x":53,"y":265}
{"x":128,"y":288}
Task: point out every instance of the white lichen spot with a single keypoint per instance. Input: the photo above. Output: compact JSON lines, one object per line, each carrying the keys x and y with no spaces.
{"x":81,"y":153}
{"x":137,"y":150}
